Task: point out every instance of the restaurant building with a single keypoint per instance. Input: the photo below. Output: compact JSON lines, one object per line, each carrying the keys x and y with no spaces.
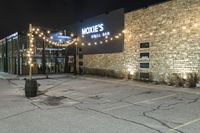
{"x":156,"y":43}
{"x":13,"y":56}
{"x":160,"y":43}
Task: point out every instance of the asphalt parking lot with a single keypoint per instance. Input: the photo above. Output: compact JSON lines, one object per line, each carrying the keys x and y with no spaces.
{"x":98,"y":105}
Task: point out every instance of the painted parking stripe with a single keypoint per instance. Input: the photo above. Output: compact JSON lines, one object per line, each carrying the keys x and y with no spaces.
{"x":154,"y":99}
{"x":184,"y":125}
{"x":149,"y":100}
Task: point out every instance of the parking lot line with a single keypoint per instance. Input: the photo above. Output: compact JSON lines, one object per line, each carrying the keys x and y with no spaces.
{"x":148,"y":100}
{"x":184,"y":125}
{"x":154,"y":99}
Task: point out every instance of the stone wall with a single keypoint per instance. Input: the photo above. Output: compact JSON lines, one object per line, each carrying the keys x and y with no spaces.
{"x":173,"y":31}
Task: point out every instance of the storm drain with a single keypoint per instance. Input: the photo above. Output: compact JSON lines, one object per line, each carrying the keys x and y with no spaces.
{"x":53,"y":100}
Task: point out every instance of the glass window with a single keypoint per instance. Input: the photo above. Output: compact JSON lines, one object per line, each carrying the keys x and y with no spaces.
{"x":144,"y":65}
{"x":144,"y":45}
{"x":144,"y":55}
{"x":144,"y":76}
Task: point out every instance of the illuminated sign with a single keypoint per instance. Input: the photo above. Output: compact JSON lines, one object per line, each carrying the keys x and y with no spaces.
{"x":96,"y":31}
{"x":93,"y":29}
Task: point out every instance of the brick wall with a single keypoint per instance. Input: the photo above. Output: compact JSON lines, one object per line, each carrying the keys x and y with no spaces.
{"x":173,"y":31}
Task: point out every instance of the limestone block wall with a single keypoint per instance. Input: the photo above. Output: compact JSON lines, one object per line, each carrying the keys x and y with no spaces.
{"x":173,"y":31}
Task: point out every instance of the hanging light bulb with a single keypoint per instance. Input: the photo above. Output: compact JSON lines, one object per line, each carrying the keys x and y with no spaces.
{"x":95,"y":43}
{"x":72,"y":35}
{"x":51,"y":37}
{"x":116,"y":37}
{"x":89,"y":44}
{"x":124,"y":31}
{"x":101,"y":42}
{"x":82,"y":44}
{"x":111,"y":38}
{"x":38,"y":29}
{"x":106,"y":41}
{"x":48,"y":31}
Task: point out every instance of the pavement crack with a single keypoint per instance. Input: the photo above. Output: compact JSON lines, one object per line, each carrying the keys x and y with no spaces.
{"x":145,"y":114}
{"x":126,"y":120}
{"x":18,"y":114}
{"x":194,"y":100}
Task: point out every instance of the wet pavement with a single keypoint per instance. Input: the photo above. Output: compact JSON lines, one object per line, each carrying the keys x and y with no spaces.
{"x":98,"y":105}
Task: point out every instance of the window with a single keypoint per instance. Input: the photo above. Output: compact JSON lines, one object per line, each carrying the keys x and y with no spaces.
{"x":144,"y":55}
{"x":144,"y":65}
{"x":144,"y":45}
{"x":144,"y":76}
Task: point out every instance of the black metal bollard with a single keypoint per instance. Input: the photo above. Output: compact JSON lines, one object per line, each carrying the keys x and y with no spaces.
{"x":31,"y":88}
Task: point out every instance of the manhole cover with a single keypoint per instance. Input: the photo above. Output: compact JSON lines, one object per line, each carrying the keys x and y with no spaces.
{"x":53,"y":100}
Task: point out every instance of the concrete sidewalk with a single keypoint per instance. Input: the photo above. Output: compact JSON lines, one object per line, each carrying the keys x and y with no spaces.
{"x":133,"y":83}
{"x":6,"y":76}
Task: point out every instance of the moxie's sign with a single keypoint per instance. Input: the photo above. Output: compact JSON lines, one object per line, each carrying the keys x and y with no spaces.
{"x":93,"y":29}
{"x":96,"y":31}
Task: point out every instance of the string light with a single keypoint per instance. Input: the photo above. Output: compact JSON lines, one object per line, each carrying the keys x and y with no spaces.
{"x":106,"y":39}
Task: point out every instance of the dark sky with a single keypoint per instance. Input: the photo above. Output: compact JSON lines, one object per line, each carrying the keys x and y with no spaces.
{"x":17,"y":14}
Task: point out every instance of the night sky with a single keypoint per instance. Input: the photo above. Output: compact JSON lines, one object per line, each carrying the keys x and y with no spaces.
{"x":17,"y":14}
